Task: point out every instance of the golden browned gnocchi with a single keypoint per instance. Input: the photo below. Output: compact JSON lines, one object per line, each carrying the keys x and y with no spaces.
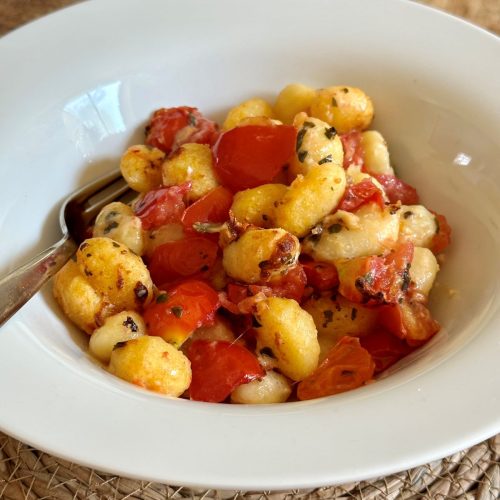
{"x":153,"y":364}
{"x":141,"y":167}
{"x":345,"y":108}
{"x":277,"y":257}
{"x":260,"y":254}
{"x":191,"y":163}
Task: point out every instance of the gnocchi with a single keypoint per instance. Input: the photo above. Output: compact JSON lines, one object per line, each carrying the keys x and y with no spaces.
{"x":277,"y":257}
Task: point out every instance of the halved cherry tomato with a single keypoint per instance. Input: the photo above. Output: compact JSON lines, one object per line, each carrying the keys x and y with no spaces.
{"x":346,"y":367}
{"x":191,"y":256}
{"x":320,"y":275}
{"x":397,"y":190}
{"x":162,"y":206}
{"x":219,"y":367}
{"x":358,"y":194}
{"x":169,"y":128}
{"x":213,"y":207}
{"x":410,"y":320}
{"x":442,"y":238}
{"x":180,"y":310}
{"x":377,"y":280}
{"x":251,"y":155}
{"x":353,"y":151}
{"x":384,"y":348}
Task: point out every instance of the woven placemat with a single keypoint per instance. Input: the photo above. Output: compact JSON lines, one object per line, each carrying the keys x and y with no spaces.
{"x":28,"y":474}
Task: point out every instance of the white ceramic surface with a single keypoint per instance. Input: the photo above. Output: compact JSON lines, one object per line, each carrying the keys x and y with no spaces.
{"x":77,"y":87}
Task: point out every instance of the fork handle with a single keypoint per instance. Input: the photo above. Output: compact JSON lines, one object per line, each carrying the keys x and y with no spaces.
{"x":21,"y":284}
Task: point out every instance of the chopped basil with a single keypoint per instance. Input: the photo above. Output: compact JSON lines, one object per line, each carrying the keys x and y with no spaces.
{"x":191,"y":119}
{"x":131,"y":324}
{"x":335,"y":228}
{"x":302,"y":156}
{"x":334,"y":102}
{"x":163,"y":297}
{"x":330,"y":132}
{"x":328,"y":315}
{"x":112,"y":225}
{"x":407,"y":214}
{"x":326,"y":159}
{"x":300,"y":138}
{"x":177,"y":311}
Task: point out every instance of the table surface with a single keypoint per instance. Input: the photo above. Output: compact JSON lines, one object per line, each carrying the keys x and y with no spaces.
{"x":26,"y":473}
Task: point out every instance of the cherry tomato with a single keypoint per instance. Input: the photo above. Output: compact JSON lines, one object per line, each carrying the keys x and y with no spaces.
{"x":358,"y":194}
{"x":384,"y":348}
{"x":346,"y":367}
{"x":442,"y":238}
{"x":162,"y":206}
{"x":320,"y":275}
{"x":213,"y":207}
{"x":397,"y":190}
{"x":291,"y":285}
{"x":180,"y":310}
{"x":219,"y":367}
{"x":353,"y":151}
{"x":377,"y":280}
{"x":410,"y":320}
{"x":246,"y":157}
{"x":169,"y":128}
{"x":191,"y":256}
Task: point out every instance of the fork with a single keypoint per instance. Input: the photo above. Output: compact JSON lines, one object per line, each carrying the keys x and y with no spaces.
{"x":77,"y":213}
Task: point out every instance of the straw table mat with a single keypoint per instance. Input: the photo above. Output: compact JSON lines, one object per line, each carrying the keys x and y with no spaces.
{"x":28,"y":474}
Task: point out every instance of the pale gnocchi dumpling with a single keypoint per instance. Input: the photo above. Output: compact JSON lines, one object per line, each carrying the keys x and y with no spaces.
{"x":418,"y":225}
{"x":292,"y":100}
{"x":120,"y":327}
{"x":272,"y":388}
{"x":423,"y":270}
{"x":141,"y":167}
{"x":118,"y":222}
{"x":370,"y":230}
{"x":251,"y":108}
{"x":377,"y":161}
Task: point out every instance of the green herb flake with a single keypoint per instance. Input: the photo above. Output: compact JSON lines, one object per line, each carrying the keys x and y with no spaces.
{"x":191,"y":119}
{"x":407,"y":214}
{"x":326,"y":159}
{"x":177,"y":311}
{"x":300,"y":138}
{"x":330,"y":132}
{"x":112,"y":225}
{"x":163,"y":297}
{"x":335,"y":228}
{"x":334,"y":102}
{"x":308,"y":125}
{"x":302,"y":156}
{"x":345,"y":90}
{"x":328,"y":315}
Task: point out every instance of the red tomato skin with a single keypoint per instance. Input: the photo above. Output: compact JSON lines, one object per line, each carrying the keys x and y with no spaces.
{"x":397,"y":190}
{"x":353,"y":151}
{"x":219,"y":367}
{"x":169,"y":128}
{"x":182,"y":309}
{"x":377,"y":280}
{"x":162,"y":206}
{"x":359,"y":194}
{"x":248,"y":156}
{"x":346,"y":367}
{"x":410,"y":320}
{"x":442,"y":238}
{"x":320,"y":275}
{"x":291,"y":285}
{"x":189,"y":257}
{"x":213,"y":207}
{"x":385,"y":348}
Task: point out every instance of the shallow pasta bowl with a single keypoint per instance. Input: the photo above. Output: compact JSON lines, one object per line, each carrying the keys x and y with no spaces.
{"x":76,"y":90}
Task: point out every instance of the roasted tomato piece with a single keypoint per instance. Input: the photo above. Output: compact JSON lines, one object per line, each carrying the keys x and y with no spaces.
{"x":251,"y":155}
{"x":162,"y":206}
{"x":410,"y":320}
{"x":442,"y":238}
{"x":346,"y":367}
{"x":397,"y":190}
{"x":219,"y":367}
{"x":377,"y":280}
{"x":384,"y":348}
{"x":291,"y":285}
{"x":191,"y":256}
{"x":353,"y":151}
{"x":213,"y":207}
{"x":180,"y":310}
{"x":320,"y":275}
{"x":169,"y":128}
{"x":358,"y":194}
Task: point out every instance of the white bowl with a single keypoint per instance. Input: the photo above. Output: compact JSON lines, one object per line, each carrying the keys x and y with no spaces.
{"x":77,"y":88}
